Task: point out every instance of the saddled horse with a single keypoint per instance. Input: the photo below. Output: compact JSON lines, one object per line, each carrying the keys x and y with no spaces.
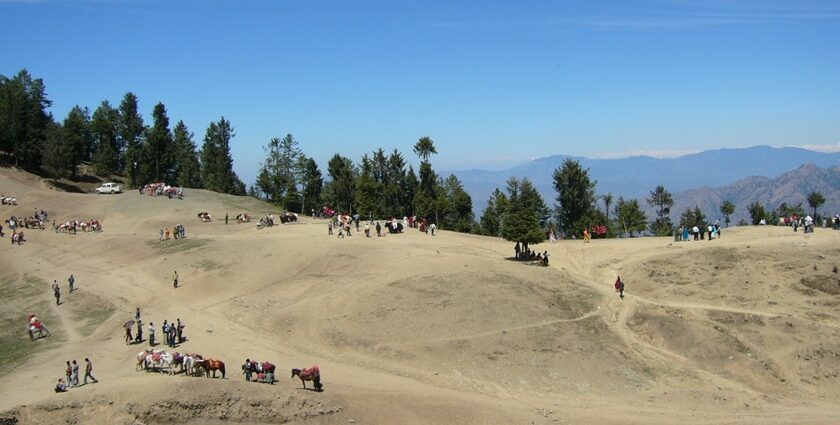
{"x":141,"y":357}
{"x":159,"y":361}
{"x":38,"y":328}
{"x":185,"y":361}
{"x":309,"y":374}
{"x":208,"y":365}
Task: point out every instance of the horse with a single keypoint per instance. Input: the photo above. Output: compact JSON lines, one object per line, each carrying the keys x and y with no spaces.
{"x":141,"y":358}
{"x":39,"y":328}
{"x":208,"y":365}
{"x":159,"y":360}
{"x":288,"y":218}
{"x":309,"y":374}
{"x":185,"y":361}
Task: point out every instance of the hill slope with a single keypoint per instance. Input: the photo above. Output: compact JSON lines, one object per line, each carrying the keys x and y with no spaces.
{"x":411,"y":328}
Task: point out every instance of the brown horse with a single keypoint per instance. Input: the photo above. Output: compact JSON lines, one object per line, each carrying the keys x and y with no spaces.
{"x":208,"y":365}
{"x":309,"y":374}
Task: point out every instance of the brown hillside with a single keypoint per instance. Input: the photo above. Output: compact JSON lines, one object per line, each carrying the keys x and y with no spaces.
{"x":414,"y":329}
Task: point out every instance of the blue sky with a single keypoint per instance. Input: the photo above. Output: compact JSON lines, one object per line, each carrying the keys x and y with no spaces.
{"x":493,"y":83}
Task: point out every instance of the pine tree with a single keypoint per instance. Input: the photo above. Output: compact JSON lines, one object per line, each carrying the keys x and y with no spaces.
{"x":409,"y":191}
{"x":187,"y":167}
{"x":282,"y":166}
{"x":216,"y":162}
{"x":24,"y":120}
{"x":662,"y":200}
{"x":58,"y":153}
{"x":341,"y":187}
{"x":130,"y":141}
{"x":312,"y":183}
{"x":393,"y":185}
{"x":520,"y":223}
{"x":575,"y":196}
{"x":458,"y":213}
{"x":104,"y":130}
{"x":368,"y":193}
{"x":493,"y":216}
{"x":426,"y":197}
{"x":76,"y":130}
{"x":158,"y":150}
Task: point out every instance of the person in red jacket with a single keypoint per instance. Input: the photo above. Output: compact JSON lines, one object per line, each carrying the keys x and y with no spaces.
{"x":619,"y":287}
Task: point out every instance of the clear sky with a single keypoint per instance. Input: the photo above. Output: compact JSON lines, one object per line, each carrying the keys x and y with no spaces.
{"x":494,"y":83}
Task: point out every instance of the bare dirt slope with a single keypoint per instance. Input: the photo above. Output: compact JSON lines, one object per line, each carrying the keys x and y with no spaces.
{"x":417,"y":329}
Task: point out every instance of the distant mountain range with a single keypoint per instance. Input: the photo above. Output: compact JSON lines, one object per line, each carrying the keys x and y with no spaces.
{"x":792,"y":187}
{"x":741,"y":175}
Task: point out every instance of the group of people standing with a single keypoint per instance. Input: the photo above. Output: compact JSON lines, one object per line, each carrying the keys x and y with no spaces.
{"x":712,"y":231}
{"x":173,"y":333}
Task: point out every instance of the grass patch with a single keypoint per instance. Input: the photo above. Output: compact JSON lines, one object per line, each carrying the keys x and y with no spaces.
{"x":89,"y":311}
{"x":10,"y":290}
{"x":208,"y":265}
{"x":173,"y":246}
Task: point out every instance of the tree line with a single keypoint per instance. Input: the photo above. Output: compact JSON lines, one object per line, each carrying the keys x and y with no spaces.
{"x":114,"y":140}
{"x":380,"y":185}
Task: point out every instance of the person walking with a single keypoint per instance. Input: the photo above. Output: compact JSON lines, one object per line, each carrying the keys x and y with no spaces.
{"x":226,"y":218}
{"x":137,"y":315}
{"x":367,"y":230}
{"x":139,"y":336}
{"x":57,"y":293}
{"x":378,"y":229}
{"x":619,"y":287}
{"x":329,"y":228}
{"x":166,"y":233}
{"x":89,"y":371}
{"x":75,"y":374}
{"x":69,"y":373}
{"x":151,"y":334}
{"x":128,"y":337}
{"x":71,"y":280}
{"x":160,"y":235}
{"x":175,"y":279}
{"x":433,"y":228}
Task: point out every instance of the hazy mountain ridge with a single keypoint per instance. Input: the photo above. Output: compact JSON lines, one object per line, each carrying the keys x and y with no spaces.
{"x":792,"y":187}
{"x":635,"y":177}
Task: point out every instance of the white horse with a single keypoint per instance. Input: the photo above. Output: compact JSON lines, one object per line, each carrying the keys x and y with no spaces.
{"x":164,"y":359}
{"x":141,"y":358}
{"x":40,"y":330}
{"x":188,"y":365}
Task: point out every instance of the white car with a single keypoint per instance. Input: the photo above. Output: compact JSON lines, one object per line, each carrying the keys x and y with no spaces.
{"x":109,"y":188}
